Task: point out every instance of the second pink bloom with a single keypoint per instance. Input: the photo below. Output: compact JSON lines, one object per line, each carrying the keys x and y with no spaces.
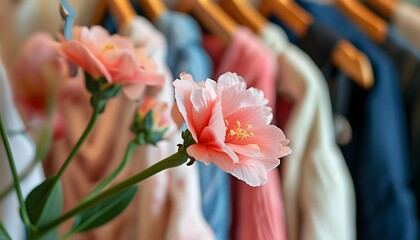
{"x":113,"y":57}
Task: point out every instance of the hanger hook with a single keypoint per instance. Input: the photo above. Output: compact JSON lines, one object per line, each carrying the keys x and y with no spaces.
{"x":67,"y":14}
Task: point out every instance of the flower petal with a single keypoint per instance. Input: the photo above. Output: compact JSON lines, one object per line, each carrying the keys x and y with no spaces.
{"x":252,"y":172}
{"x":183,"y":90}
{"x":200,"y":153}
{"x":250,"y":150}
{"x":80,"y":55}
{"x":229,"y":80}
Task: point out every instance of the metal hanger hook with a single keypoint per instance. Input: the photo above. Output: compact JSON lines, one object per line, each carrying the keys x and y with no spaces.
{"x":67,"y":14}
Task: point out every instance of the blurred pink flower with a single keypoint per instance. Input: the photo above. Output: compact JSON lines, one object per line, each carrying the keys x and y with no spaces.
{"x":37,"y":76}
{"x":231,"y":126}
{"x":160,"y":114}
{"x":113,"y":57}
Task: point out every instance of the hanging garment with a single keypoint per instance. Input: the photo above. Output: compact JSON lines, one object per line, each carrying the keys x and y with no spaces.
{"x":407,"y":61}
{"x":98,"y":156}
{"x":257,"y":211}
{"x":325,"y":40}
{"x":378,"y":156}
{"x":23,"y":150}
{"x":317,"y":187}
{"x":186,"y":54}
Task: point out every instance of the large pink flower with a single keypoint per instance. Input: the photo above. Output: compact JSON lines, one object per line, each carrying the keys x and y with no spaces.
{"x":37,"y":77}
{"x":231,"y":126}
{"x":113,"y":57}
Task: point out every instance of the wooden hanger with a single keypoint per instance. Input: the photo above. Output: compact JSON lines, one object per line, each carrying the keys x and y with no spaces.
{"x":295,"y":17}
{"x":153,"y":8}
{"x":122,"y":10}
{"x":354,"y":63}
{"x":345,"y":56}
{"x":244,"y":14}
{"x":99,"y":13}
{"x":375,"y":27}
{"x":211,"y":16}
{"x":385,"y":7}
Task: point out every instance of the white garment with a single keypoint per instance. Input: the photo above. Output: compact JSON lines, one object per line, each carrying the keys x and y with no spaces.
{"x":318,"y":190}
{"x":407,"y":20}
{"x":186,"y":220}
{"x":23,"y":150}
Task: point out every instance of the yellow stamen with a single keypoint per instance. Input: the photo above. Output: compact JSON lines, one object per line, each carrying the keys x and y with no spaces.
{"x":108,"y":47}
{"x":238,"y":132}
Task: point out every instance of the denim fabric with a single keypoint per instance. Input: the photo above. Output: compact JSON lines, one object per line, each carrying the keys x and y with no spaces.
{"x":186,"y":54}
{"x":377,"y":157}
{"x":407,"y":60}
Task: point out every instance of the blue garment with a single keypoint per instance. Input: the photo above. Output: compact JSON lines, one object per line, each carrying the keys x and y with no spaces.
{"x":407,"y":61}
{"x":377,"y":157}
{"x":185,"y":54}
{"x":109,"y":23}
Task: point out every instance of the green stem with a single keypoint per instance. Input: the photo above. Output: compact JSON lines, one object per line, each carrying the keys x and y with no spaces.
{"x":15,"y":175}
{"x":90,"y":126}
{"x":174,"y":160}
{"x":132,"y":146}
{"x":22,"y":176}
{"x":4,"y":231}
{"x":42,"y":150}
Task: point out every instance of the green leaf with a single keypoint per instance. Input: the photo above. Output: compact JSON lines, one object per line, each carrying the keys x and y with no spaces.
{"x":3,"y":233}
{"x":112,"y":91}
{"x":156,"y":136}
{"x":104,"y":211}
{"x":148,"y":121}
{"x":92,"y":85}
{"x":44,"y":204}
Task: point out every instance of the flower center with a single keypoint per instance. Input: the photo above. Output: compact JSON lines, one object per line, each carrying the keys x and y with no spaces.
{"x":108,"y":47}
{"x":238,"y":132}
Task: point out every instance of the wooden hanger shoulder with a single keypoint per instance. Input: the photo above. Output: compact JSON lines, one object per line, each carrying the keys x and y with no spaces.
{"x":153,"y":8}
{"x":385,"y":7}
{"x":122,"y":10}
{"x":244,"y":14}
{"x":212,"y":17}
{"x":296,"y":18}
{"x":353,"y":63}
{"x":375,"y":27}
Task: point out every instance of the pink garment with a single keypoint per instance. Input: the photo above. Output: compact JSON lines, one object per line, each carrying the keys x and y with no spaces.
{"x":257,"y":211}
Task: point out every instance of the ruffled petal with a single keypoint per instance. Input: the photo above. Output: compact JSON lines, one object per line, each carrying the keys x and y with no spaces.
{"x":252,"y":172}
{"x":81,"y":56}
{"x":183,"y":90}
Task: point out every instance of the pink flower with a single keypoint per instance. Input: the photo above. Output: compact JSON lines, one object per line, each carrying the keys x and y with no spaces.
{"x":37,"y":77}
{"x":113,"y":57}
{"x":231,"y":126}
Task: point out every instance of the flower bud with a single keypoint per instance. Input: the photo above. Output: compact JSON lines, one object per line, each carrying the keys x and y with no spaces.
{"x":150,"y":121}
